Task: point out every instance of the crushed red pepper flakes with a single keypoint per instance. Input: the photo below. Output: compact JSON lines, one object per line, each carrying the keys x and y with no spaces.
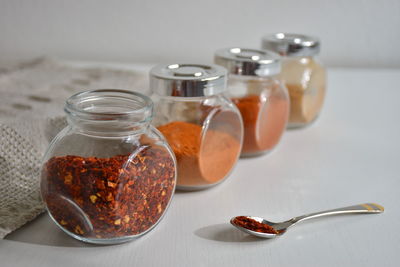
{"x":109,"y":197}
{"x":254,"y":225}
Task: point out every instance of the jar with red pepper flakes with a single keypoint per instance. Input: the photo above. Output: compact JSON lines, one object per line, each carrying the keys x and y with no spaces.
{"x":109,"y":176}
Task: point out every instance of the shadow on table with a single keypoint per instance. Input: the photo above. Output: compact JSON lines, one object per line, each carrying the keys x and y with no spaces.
{"x":224,"y":232}
{"x":43,"y":231}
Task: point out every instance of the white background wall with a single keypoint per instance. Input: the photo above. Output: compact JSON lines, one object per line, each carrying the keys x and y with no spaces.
{"x":353,"y":32}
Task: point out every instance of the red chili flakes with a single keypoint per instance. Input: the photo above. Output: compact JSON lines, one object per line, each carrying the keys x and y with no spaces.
{"x":109,"y":197}
{"x":254,"y":225}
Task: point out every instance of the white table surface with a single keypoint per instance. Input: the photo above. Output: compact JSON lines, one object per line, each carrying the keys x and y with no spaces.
{"x":349,"y":156}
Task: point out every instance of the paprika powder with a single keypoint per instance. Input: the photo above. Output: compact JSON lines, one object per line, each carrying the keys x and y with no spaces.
{"x":202,"y":126}
{"x":264,"y":122}
{"x":203,"y":158}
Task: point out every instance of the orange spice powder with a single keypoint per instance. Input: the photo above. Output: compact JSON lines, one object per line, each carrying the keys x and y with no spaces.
{"x":202,"y":159}
{"x":264,"y":122}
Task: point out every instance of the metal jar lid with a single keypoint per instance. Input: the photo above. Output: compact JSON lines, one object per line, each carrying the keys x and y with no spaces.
{"x":249,"y":62}
{"x":187,"y":80}
{"x":293,"y":45}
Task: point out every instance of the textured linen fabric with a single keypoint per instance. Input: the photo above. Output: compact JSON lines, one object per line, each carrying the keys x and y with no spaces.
{"x":32,"y":98}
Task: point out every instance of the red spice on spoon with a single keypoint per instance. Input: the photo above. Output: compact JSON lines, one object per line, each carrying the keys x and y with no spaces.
{"x":254,"y":225}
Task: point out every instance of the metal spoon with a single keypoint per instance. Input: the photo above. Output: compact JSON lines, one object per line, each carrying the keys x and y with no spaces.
{"x":281,"y":227}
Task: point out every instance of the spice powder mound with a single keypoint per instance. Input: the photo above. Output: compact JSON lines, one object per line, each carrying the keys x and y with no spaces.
{"x":305,"y":103}
{"x":202,"y":159}
{"x":109,"y":197}
{"x":254,"y":225}
{"x":264,"y":121}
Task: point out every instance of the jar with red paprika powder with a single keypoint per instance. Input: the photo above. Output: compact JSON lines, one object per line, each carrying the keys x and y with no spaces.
{"x":109,"y":176}
{"x":201,"y":124}
{"x":254,"y":87}
{"x":303,"y":74}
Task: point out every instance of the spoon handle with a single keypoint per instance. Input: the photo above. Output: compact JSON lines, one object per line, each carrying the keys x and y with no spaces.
{"x":361,"y":208}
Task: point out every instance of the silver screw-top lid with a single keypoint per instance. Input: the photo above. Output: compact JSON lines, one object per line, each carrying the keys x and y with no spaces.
{"x":249,"y":62}
{"x":292,"y":45}
{"x":187,"y":80}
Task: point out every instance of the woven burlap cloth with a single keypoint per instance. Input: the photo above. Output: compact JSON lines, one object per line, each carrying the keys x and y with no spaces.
{"x":32,"y":98}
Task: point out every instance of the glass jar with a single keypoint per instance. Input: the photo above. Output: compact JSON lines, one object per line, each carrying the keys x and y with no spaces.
{"x":302,"y":73}
{"x":203,"y":127}
{"x":261,"y":98}
{"x":109,"y":176}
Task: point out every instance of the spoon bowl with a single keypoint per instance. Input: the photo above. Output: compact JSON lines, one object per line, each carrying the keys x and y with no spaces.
{"x":266,"y":229}
{"x":275,"y":226}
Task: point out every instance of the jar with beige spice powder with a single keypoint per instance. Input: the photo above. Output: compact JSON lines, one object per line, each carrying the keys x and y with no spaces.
{"x":303,"y":74}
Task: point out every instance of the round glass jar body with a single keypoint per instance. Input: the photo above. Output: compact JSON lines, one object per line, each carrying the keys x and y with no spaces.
{"x":264,"y":106}
{"x":261,"y":98}
{"x":305,"y":79}
{"x":302,"y":73}
{"x":205,"y":131}
{"x":109,"y":176}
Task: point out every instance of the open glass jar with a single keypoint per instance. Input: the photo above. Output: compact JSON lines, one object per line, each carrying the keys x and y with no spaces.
{"x":203,"y":127}
{"x":261,"y":98}
{"x":302,"y":73}
{"x":109,"y":176}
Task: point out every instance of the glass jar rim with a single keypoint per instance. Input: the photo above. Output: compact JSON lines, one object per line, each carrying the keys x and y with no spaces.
{"x":82,"y":104}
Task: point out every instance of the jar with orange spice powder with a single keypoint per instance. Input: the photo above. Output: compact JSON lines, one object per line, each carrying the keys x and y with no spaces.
{"x":203,"y":127}
{"x":261,"y":98}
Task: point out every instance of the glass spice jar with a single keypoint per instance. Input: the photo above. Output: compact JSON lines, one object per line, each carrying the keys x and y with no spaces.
{"x":302,"y":73}
{"x":261,"y":98}
{"x":109,"y":176}
{"x":203,"y":127}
